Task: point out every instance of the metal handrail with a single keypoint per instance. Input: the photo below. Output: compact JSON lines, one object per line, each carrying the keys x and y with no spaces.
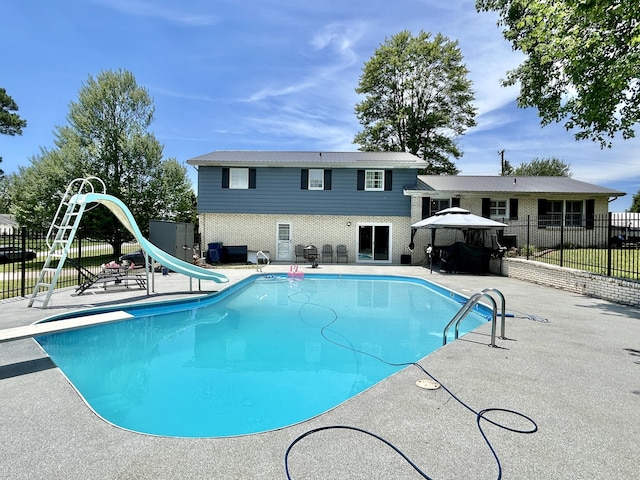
{"x":259,"y":254}
{"x":502,"y":308}
{"x":72,"y":188}
{"x":468,"y":306}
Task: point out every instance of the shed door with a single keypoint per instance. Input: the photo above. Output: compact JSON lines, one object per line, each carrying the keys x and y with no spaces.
{"x":283,"y":242}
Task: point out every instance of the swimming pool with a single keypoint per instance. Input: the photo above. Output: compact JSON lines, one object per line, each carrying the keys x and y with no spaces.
{"x":265,"y":353}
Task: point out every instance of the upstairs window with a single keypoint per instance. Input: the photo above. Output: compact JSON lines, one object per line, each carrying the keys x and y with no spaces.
{"x":238,"y":178}
{"x":374,"y":180}
{"x":316,"y":179}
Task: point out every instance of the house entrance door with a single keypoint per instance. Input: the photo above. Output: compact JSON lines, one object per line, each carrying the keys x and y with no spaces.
{"x":283,"y":242}
{"x":374,"y":243}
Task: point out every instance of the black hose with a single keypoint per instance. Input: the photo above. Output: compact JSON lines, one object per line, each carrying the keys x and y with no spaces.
{"x":480,"y":415}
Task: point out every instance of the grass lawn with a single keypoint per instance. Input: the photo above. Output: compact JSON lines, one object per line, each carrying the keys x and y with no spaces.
{"x":625,"y":262}
{"x":11,"y":273}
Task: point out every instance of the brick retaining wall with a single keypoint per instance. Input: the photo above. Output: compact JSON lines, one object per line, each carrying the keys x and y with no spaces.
{"x":599,"y":286}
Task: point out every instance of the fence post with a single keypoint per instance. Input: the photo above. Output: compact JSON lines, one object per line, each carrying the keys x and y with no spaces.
{"x":528,"y":235}
{"x":79,"y":258}
{"x":609,"y":243}
{"x":562,"y":242}
{"x":23,"y":266}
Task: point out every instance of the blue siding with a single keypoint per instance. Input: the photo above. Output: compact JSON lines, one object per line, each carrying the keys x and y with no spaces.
{"x":278,"y":192}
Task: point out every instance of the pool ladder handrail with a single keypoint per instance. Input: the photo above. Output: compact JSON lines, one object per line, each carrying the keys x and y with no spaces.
{"x":468,"y":306}
{"x":260,"y":266}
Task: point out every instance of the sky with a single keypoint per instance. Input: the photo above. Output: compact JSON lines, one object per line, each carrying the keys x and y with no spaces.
{"x":271,"y":75}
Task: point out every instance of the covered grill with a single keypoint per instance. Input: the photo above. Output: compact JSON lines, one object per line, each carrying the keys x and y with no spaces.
{"x":311,"y":255}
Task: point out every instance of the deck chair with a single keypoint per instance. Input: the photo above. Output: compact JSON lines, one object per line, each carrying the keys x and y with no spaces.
{"x":341,"y":253}
{"x":327,"y":253}
{"x":299,"y":251}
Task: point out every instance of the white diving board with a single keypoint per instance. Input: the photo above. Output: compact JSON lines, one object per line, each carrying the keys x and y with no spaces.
{"x":56,"y":326}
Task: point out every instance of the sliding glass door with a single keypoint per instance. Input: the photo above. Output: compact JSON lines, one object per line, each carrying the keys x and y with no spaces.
{"x":374,"y":243}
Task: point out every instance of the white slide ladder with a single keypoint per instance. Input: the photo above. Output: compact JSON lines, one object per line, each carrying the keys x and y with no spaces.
{"x":61,"y":234}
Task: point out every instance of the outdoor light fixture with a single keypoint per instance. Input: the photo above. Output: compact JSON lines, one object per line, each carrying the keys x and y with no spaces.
{"x":348,"y":224}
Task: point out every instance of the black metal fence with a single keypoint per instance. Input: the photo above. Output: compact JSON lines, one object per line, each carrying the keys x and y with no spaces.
{"x":606,"y":244}
{"x":23,"y":253}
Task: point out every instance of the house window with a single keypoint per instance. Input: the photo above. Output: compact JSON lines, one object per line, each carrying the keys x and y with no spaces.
{"x":438,"y":204}
{"x":316,"y":179}
{"x":573,"y":213}
{"x":498,"y":208}
{"x":239,"y":178}
{"x":552,"y":213}
{"x":374,"y":180}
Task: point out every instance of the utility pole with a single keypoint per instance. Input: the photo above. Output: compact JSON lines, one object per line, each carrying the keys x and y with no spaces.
{"x":501,"y":153}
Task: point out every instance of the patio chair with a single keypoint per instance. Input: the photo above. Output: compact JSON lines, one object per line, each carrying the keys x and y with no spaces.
{"x":341,"y":253}
{"x":327,"y":253}
{"x":299,"y":251}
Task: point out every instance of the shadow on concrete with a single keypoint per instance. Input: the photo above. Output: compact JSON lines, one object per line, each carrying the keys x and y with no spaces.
{"x":24,"y":368}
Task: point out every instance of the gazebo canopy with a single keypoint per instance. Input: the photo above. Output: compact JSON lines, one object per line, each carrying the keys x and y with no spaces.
{"x":456,"y":217}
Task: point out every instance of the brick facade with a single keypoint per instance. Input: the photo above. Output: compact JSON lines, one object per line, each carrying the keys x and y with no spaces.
{"x":259,"y":232}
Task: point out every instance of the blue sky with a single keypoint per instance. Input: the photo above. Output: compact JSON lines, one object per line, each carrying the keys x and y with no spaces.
{"x":270,"y":75}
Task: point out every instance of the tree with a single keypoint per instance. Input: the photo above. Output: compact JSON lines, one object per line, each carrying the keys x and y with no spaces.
{"x":176,"y":200}
{"x":635,"y":206}
{"x":106,"y":136}
{"x":5,"y":202}
{"x":539,"y":167}
{"x":581,"y":62}
{"x":10,"y":122}
{"x":417,"y":99}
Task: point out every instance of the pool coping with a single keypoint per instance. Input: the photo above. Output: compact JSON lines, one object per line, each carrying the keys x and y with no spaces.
{"x":574,"y":375}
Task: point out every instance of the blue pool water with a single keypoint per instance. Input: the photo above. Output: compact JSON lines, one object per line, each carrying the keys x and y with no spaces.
{"x":263,"y":354}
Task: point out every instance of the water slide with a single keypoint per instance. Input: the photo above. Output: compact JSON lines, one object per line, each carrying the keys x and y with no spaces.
{"x":123,"y":214}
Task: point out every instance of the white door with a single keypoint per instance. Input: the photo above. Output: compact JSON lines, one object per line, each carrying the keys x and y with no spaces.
{"x":283,"y":242}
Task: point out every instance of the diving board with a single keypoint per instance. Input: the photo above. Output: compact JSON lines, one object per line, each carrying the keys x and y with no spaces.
{"x":45,"y":328}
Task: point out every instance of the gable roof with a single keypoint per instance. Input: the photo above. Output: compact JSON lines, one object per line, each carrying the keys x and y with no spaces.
{"x":246,"y":158}
{"x":510,"y":185}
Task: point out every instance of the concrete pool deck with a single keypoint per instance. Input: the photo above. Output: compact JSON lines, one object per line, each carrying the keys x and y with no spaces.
{"x":571,"y":363}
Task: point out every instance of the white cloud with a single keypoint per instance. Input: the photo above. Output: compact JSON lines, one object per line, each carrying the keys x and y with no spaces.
{"x":153,"y":9}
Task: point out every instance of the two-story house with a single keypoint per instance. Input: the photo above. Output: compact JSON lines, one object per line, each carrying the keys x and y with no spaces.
{"x":275,"y":200}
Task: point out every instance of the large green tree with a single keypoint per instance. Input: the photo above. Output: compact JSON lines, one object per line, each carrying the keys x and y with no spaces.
{"x":581,"y":62}
{"x":106,"y":136}
{"x":635,"y":206}
{"x":540,"y":167}
{"x":418,"y":99}
{"x":10,"y":121}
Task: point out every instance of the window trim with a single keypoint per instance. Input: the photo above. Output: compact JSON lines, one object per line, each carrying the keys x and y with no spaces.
{"x":319,"y":172}
{"x":369,"y":179}
{"x":493,"y":208}
{"x":561,"y":218}
{"x":238,"y":178}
